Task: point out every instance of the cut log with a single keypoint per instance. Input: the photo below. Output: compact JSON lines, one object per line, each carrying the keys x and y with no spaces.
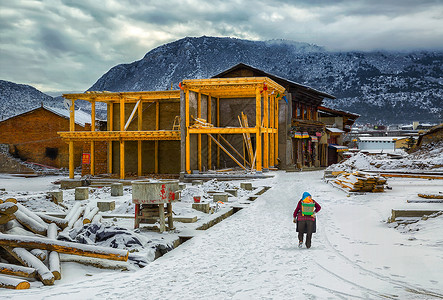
{"x":15,"y":270}
{"x":95,"y":262}
{"x":6,"y":218}
{"x":39,"y":253}
{"x":72,"y":210}
{"x":8,"y":208}
{"x":32,"y":215}
{"x":54,"y":264}
{"x":52,"y":231}
{"x":62,"y":223}
{"x":74,"y":217}
{"x":30,"y":223}
{"x":29,"y":260}
{"x":54,"y":257}
{"x":97,"y":218}
{"x":63,"y":247}
{"x":88,"y":217}
{"x":13,"y":283}
{"x":13,"y":200}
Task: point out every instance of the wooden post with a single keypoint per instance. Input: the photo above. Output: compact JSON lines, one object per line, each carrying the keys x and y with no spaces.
{"x":276,"y":134}
{"x":162,"y":222}
{"x":199,"y":137}
{"x":71,"y":159}
{"x":170,"y":219}
{"x":209,"y":104}
{"x":139,"y":143}
{"x":188,"y":140}
{"x":122,"y":143}
{"x":110,"y":107}
{"x":272,"y":127}
{"x":266,"y":134}
{"x":157,"y":126}
{"x":258,"y":146}
{"x":218,"y":125}
{"x":71,"y":143}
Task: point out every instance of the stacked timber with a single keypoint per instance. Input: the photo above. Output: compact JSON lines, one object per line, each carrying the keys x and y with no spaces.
{"x":360,"y":182}
{"x":37,"y":250}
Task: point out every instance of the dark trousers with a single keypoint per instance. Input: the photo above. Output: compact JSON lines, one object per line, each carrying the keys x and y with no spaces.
{"x":308,"y":227}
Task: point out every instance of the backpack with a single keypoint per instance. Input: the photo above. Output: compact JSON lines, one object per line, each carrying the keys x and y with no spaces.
{"x":307,"y":206}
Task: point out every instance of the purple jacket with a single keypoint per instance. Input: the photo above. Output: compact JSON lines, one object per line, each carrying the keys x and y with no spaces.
{"x":300,"y":217}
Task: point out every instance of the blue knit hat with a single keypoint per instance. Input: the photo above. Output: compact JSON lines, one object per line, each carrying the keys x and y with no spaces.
{"x":305,"y":195}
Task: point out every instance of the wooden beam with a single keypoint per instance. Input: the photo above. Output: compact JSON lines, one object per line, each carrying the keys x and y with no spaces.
{"x":209,"y":106}
{"x":92,"y":162}
{"x":227,"y":152}
{"x":71,"y":159}
{"x":157,"y":126}
{"x":139,"y":143}
{"x":188,"y":140}
{"x":128,"y":122}
{"x":235,"y":150}
{"x":110,"y":107}
{"x":122,"y":159}
{"x":122,"y":114}
{"x":276,"y":132}
{"x":265,"y":125}
{"x":258,"y":119}
{"x":272,"y":135}
{"x":218,"y":125}
{"x":199,"y":137}
{"x":11,"y":240}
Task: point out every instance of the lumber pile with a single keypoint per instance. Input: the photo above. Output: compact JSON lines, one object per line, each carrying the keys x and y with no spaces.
{"x":360,"y":182}
{"x":35,"y":254}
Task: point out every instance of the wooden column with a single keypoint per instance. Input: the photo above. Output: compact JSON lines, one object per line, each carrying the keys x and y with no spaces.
{"x":110,"y":128}
{"x":199,"y":138}
{"x":276,"y":133}
{"x":139,"y":143}
{"x":258,"y":146}
{"x":122,"y":143}
{"x":272,"y":127}
{"x":188,"y":140}
{"x":71,"y":143}
{"x":218,"y":125}
{"x":209,"y":104}
{"x":265,"y":126}
{"x":157,"y":126}
{"x":92,"y":162}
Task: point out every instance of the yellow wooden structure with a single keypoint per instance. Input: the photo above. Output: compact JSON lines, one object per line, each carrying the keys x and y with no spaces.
{"x":266,"y":93}
{"x":122,"y":135}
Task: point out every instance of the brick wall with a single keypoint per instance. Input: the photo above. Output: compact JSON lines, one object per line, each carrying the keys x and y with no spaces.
{"x":101,"y":158}
{"x":33,"y":137}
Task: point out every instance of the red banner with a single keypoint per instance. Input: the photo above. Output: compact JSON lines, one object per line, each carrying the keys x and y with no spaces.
{"x":86,"y":158}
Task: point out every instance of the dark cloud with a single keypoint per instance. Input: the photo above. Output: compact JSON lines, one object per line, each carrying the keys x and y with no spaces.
{"x":69,"y":44}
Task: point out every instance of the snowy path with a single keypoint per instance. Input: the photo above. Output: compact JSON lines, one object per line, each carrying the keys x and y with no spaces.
{"x":254,"y":255}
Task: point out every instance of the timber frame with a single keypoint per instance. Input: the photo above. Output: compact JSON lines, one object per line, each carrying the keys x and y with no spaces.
{"x":123,"y":134}
{"x":265,"y":93}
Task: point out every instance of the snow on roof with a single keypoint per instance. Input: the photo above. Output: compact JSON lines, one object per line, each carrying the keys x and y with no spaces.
{"x":81,"y":117}
{"x":332,"y":129}
{"x":380,"y":138}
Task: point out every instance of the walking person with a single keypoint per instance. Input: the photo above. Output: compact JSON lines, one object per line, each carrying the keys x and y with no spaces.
{"x":304,"y":216}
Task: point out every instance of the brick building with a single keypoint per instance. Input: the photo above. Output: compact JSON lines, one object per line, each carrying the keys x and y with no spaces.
{"x":32,"y":136}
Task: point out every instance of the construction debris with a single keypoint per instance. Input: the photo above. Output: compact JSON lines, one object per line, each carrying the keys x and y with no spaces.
{"x":360,"y":182}
{"x":39,"y":256}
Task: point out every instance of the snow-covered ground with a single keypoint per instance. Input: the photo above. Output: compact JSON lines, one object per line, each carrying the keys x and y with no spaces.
{"x":254,"y":255}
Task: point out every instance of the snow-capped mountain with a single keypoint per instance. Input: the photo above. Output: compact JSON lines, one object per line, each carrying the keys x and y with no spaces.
{"x":18,"y":98}
{"x":385,"y":87}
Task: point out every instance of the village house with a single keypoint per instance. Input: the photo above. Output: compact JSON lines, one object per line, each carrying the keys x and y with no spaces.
{"x":338,"y":126}
{"x":32,"y":136}
{"x":300,"y":129}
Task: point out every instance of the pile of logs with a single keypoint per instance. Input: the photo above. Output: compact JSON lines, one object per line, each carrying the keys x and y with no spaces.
{"x":37,"y":249}
{"x":360,"y":182}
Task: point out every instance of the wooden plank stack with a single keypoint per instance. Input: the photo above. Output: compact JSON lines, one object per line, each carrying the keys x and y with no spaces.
{"x":37,"y":250}
{"x":360,"y":182}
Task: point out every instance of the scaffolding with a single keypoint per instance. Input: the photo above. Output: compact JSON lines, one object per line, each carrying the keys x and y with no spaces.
{"x":265,"y":94}
{"x":124,"y":133}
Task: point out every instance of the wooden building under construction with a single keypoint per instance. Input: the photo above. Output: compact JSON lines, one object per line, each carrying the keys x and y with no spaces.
{"x":242,"y":117}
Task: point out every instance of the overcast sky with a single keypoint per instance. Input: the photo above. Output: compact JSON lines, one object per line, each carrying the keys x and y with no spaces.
{"x":66,"y":45}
